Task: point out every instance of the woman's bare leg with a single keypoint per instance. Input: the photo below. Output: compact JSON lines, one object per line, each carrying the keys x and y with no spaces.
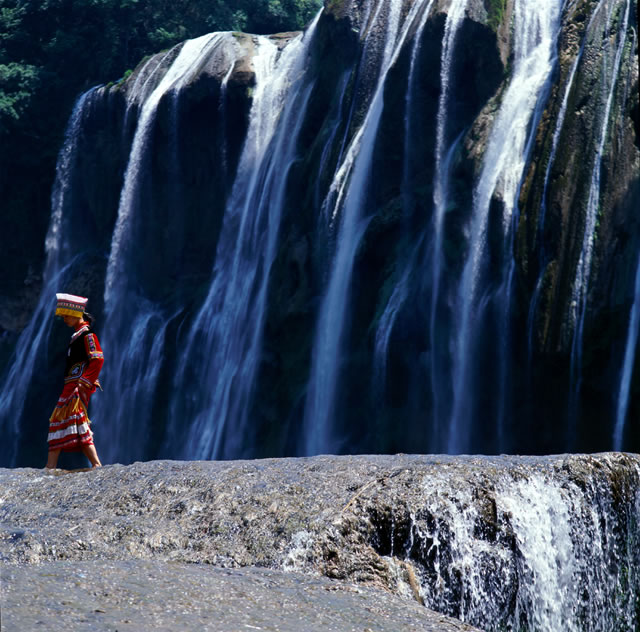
{"x":90,"y":452}
{"x":52,"y":459}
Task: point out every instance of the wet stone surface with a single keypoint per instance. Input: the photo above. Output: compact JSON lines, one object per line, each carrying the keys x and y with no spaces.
{"x":150,"y":595}
{"x":469,"y":537}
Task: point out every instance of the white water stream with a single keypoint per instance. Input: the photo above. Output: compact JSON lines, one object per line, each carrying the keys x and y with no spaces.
{"x":347,"y":197}
{"x":181,"y":70}
{"x":536,"y":31}
{"x":580,"y":291}
{"x":440,"y":200}
{"x":225,"y":340}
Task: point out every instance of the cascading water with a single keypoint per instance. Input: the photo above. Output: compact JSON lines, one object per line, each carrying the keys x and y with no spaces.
{"x":237,"y":296}
{"x":443,"y":157}
{"x":543,"y":204}
{"x":401,"y":290}
{"x":537,"y":549}
{"x":184,"y":67}
{"x":536,"y":31}
{"x":30,"y":360}
{"x":314,"y":255}
{"x":134,"y":360}
{"x":347,"y":196}
{"x":627,"y":366}
{"x":580,"y":291}
{"x":440,"y":387}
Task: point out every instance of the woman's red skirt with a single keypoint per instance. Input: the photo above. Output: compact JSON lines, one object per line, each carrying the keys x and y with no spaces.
{"x":69,"y":423}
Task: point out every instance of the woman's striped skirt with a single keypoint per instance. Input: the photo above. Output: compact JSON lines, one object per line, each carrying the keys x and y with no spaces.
{"x":69,"y":423}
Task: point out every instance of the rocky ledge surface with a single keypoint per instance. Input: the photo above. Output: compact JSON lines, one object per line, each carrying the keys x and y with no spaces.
{"x":150,"y":595}
{"x":483,"y":539}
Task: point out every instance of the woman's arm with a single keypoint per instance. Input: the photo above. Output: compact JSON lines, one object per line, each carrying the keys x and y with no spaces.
{"x":89,"y":377}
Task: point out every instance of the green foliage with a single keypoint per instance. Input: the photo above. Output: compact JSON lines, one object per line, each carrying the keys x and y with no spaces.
{"x":53,"y":50}
{"x":18,"y":82}
{"x":495,"y":11}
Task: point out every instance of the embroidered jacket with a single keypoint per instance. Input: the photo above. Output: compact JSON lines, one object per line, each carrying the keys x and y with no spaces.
{"x":84,"y":358}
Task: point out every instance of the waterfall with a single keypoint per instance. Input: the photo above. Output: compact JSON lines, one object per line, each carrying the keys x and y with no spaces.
{"x":552,"y":155}
{"x":554,"y":555}
{"x":536,"y":30}
{"x":401,"y":291}
{"x":543,"y":205}
{"x":580,"y":291}
{"x":627,"y":366}
{"x":387,"y":321}
{"x":565,"y":544}
{"x":225,"y":339}
{"x":558,"y":130}
{"x":134,"y":358}
{"x":184,"y":67}
{"x":347,"y":197}
{"x":31,"y":355}
{"x":313,"y":243}
{"x":439,"y":386}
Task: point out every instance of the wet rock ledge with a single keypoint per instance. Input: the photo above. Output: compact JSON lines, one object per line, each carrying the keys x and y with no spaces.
{"x":288,"y":544}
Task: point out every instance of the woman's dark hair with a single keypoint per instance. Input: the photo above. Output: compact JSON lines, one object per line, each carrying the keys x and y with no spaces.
{"x":89,"y":318}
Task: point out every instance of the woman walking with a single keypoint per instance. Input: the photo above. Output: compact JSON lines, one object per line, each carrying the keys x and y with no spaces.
{"x":69,"y":425}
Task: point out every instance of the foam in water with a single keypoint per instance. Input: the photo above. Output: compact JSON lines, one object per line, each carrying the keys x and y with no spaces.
{"x":299,"y":552}
{"x":541,"y":521}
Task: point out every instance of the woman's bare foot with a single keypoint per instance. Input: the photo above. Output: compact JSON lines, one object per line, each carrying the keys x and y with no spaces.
{"x":90,"y":452}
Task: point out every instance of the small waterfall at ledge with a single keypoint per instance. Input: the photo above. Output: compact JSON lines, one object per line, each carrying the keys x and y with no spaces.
{"x":517,"y":543}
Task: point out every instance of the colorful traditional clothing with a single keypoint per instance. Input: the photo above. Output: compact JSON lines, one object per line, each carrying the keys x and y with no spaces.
{"x":69,"y":425}
{"x":70,"y":305}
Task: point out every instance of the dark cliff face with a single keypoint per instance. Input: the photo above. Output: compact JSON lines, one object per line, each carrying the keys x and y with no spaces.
{"x":571,"y":172}
{"x":192,"y":158}
{"x":549,"y":253}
